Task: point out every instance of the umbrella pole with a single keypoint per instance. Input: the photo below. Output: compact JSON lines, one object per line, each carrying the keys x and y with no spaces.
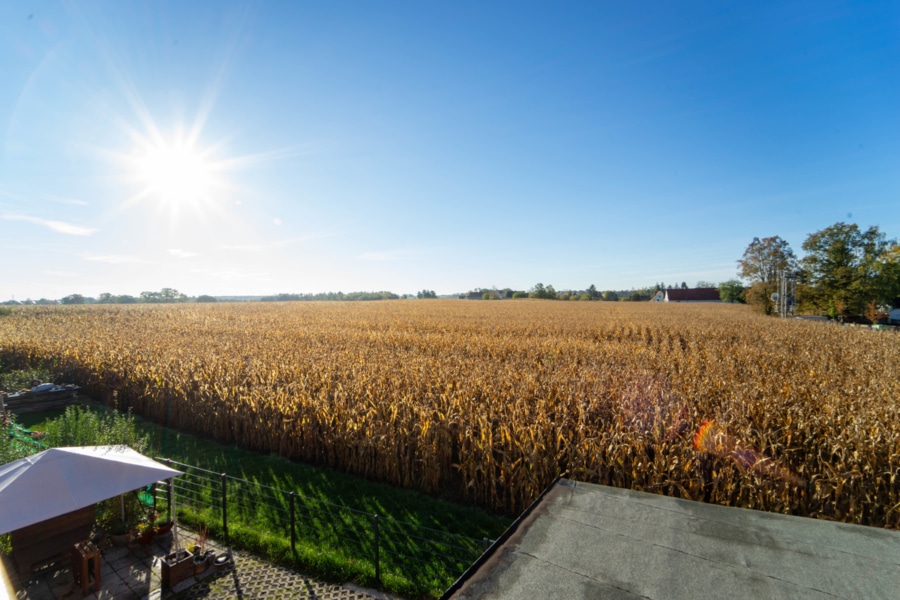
{"x":174,"y":515}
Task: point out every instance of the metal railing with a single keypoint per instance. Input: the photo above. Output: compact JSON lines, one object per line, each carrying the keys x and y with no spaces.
{"x":405,"y":549}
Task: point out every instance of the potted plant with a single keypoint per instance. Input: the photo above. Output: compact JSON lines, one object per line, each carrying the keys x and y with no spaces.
{"x":120,"y":532}
{"x":201,"y":562}
{"x":120,"y":535}
{"x":164,"y":528}
{"x":176,"y":567}
{"x":124,"y":519}
{"x":202,"y":557}
{"x":144,"y":533}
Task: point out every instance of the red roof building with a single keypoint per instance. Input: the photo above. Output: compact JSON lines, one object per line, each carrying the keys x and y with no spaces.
{"x":687,"y":295}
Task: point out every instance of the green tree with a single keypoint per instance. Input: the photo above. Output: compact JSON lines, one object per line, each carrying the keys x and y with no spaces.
{"x":426,"y":294}
{"x":206,"y":298}
{"x":73,"y":299}
{"x":546,"y":293}
{"x":731,"y":291}
{"x":172,"y":295}
{"x":846,"y":268}
{"x":610,"y":296}
{"x":765,"y":258}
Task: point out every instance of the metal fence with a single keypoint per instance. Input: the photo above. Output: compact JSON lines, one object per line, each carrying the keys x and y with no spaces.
{"x":405,"y":549}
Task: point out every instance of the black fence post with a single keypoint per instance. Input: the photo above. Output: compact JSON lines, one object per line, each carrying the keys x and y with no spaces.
{"x":225,"y":508}
{"x":377,"y":558}
{"x":293,"y":523}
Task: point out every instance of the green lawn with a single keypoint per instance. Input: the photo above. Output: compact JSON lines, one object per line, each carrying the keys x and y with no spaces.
{"x":336,"y":544}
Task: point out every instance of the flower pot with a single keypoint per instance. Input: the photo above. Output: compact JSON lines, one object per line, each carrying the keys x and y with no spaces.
{"x":120,"y":539}
{"x":222,"y":562}
{"x":176,"y":567}
{"x":145,"y":537}
{"x":202,"y":562}
{"x":165,"y":528}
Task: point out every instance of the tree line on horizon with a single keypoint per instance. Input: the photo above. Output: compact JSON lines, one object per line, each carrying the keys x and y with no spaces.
{"x":331,"y":296}
{"x":164,"y":296}
{"x":538,"y":291}
{"x":846,"y":272}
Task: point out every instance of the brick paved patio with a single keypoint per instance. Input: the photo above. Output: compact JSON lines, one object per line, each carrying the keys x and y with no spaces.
{"x":134,"y":572}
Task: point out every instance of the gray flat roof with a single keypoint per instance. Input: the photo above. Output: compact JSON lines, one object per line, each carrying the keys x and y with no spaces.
{"x":589,"y":541}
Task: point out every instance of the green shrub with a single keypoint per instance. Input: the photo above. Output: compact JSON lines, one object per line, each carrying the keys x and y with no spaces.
{"x":81,"y":426}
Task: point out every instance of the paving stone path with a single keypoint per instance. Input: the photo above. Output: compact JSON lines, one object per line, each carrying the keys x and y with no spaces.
{"x":135,"y":573}
{"x":253,"y":578}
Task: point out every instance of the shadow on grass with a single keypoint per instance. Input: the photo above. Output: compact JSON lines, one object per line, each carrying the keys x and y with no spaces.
{"x":334,"y":516}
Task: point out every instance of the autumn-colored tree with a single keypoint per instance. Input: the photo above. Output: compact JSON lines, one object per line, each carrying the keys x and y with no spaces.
{"x":765,"y":258}
{"x":759,"y":296}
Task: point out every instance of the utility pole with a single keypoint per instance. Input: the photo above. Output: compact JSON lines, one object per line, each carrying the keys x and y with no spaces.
{"x":785,"y":297}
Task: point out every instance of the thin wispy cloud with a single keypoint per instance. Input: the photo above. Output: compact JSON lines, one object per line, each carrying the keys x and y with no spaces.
{"x":182,"y":253}
{"x":248,"y":160}
{"x":57,"y":226}
{"x":276,"y":244}
{"x":235,"y":275}
{"x":115,"y":259}
{"x":10,"y":196}
{"x":64,"y":200}
{"x":387,"y":255}
{"x":58,"y":273}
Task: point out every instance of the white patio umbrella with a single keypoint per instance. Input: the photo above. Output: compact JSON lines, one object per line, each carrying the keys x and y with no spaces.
{"x":59,"y":480}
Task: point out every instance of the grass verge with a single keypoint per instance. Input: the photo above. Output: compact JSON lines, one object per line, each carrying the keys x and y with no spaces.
{"x":326,"y":552}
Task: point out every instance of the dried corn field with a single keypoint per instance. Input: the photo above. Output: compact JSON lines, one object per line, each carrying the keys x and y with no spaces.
{"x":490,"y":401}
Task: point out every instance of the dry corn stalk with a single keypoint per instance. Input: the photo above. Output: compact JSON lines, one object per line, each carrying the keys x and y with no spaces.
{"x":489,"y":401}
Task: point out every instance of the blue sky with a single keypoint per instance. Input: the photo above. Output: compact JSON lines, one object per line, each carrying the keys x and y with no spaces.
{"x":256,"y":148}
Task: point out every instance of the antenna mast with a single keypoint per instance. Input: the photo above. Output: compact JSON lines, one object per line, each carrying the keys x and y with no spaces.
{"x":785,"y":300}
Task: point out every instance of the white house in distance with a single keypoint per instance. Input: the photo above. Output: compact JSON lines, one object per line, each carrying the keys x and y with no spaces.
{"x":894,"y":316}
{"x":687,"y":295}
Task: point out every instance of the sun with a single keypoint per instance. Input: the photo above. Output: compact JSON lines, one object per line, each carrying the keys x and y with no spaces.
{"x":176,"y":179}
{"x":174,"y":173}
{"x":181,"y":181}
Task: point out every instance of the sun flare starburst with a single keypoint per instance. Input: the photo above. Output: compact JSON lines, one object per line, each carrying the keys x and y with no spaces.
{"x":175,"y":172}
{"x":183,"y":181}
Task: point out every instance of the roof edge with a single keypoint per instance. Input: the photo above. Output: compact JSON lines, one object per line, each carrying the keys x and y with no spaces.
{"x":489,"y":553}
